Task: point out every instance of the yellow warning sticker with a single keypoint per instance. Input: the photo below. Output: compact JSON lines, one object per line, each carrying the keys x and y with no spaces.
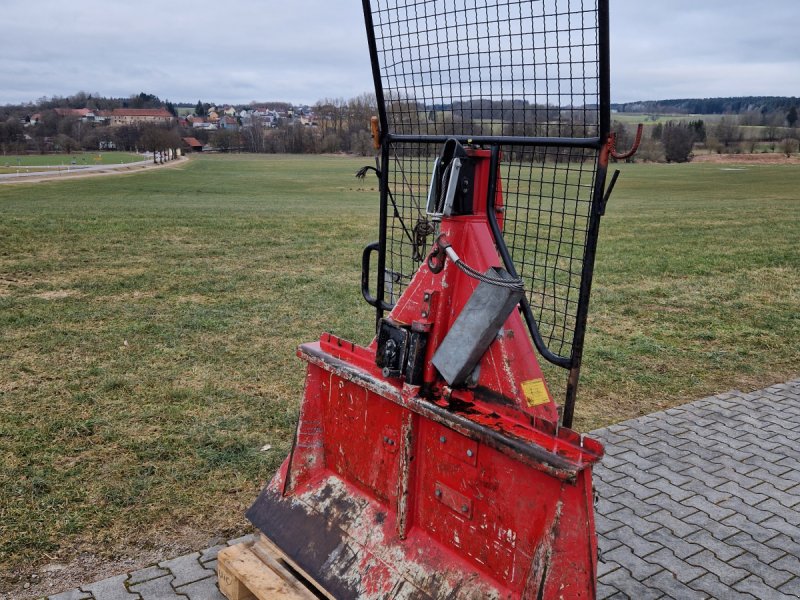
{"x":535,"y":392}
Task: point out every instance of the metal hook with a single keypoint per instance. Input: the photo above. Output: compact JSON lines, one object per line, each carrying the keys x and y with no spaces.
{"x":612,"y":145}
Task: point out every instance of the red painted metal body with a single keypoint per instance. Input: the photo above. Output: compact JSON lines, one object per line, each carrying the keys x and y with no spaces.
{"x":402,"y":491}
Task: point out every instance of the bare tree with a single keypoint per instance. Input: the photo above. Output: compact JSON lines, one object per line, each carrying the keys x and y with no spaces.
{"x":727,"y":132}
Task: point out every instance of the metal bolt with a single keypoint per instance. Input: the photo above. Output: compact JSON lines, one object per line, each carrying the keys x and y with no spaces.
{"x":424,"y":314}
{"x":426,"y":296}
{"x":470,"y":453}
{"x":465,"y":508}
{"x":385,"y":440}
{"x":443,"y":439}
{"x":391,"y":442}
{"x":438,"y":493}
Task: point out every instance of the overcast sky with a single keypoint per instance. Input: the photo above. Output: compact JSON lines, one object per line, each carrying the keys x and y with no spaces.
{"x":305,"y":50}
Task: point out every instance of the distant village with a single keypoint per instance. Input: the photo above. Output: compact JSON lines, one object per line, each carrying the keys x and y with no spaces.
{"x":145,"y":123}
{"x":223,"y":118}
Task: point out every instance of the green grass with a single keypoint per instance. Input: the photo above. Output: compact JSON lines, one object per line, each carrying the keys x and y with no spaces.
{"x":148,"y":324}
{"x":12,"y":161}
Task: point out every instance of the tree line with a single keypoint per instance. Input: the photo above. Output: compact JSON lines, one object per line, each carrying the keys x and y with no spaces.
{"x":763,"y":105}
{"x":342,"y":125}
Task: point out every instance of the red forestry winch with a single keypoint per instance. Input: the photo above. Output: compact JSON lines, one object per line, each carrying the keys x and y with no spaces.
{"x":431,"y":464}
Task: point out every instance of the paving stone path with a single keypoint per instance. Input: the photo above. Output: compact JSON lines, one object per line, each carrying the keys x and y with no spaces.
{"x":699,"y":501}
{"x":703,"y":500}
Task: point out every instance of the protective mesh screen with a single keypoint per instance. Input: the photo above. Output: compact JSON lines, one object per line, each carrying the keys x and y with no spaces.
{"x":471,"y":67}
{"x":546,"y":206}
{"x":503,"y":68}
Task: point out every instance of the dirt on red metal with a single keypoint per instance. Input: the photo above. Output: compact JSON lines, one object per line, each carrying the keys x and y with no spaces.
{"x":427,"y":491}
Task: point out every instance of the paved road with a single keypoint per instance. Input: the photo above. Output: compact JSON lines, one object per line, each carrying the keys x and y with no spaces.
{"x":700,"y":501}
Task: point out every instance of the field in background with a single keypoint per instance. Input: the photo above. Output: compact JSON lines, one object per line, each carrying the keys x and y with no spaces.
{"x":647,"y":119}
{"x":11,"y":163}
{"x":148,"y":325}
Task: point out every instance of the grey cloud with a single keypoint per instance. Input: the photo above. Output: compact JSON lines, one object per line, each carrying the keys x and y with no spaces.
{"x":301,"y":51}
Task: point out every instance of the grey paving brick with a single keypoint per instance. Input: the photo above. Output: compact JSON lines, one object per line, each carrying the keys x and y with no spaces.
{"x":210,"y":554}
{"x":734,"y":469}
{"x":679,"y":546}
{"x":751,"y":513}
{"x":764,"y":461}
{"x":616,"y":428}
{"x":764,"y":553}
{"x":604,"y":592}
{"x":676,"y":509}
{"x":666,"y":582}
{"x":684,"y":571}
{"x":791,"y":588}
{"x":604,"y":525}
{"x":186,"y":569}
{"x":702,"y":487}
{"x":753,"y":437}
{"x":604,"y":568}
{"x":738,"y":456}
{"x":640,"y":545}
{"x":635,"y":474}
{"x":157,"y":589}
{"x":712,"y":510}
{"x":726,"y":573}
{"x":607,"y":475}
{"x":716,"y":589}
{"x":609,"y":437}
{"x":635,"y":522}
{"x":605,"y":505}
{"x":680,"y":527}
{"x":791,"y":516}
{"x":112,"y":588}
{"x":633,"y":503}
{"x":609,"y":462}
{"x":205,"y":589}
{"x":146,"y":574}
{"x":677,"y":446}
{"x":722,"y":550}
{"x":675,"y":478}
{"x":642,"y":464}
{"x":729,"y":442}
{"x":754,"y":530}
{"x":755,"y":586}
{"x":676,"y":493}
{"x":702,"y":521}
{"x":774,"y":576}
{"x":640,"y":568}
{"x":610,"y":449}
{"x":780,"y":525}
{"x":671,"y":453}
{"x":75,"y":594}
{"x":786,"y":499}
{"x":622,"y":580}
{"x":629,"y":486}
{"x":790,"y":563}
{"x":606,"y":544}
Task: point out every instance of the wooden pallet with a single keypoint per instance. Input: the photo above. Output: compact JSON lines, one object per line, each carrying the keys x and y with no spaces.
{"x":259,"y":570}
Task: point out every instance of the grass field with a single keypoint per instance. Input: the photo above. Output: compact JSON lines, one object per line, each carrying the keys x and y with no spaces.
{"x":648,"y":119}
{"x":12,"y":161}
{"x":148,"y":325}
